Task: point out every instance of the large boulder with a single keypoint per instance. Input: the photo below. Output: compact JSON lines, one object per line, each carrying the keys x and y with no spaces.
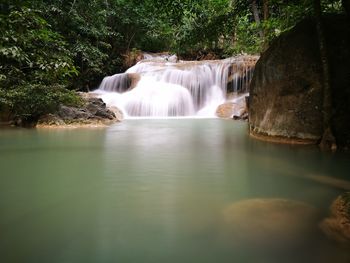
{"x":286,"y":89}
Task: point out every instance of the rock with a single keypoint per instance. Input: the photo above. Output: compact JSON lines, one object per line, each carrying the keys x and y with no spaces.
{"x":236,"y":108}
{"x":97,"y":107}
{"x":243,"y":117}
{"x":337,"y":226}
{"x":71,"y":113}
{"x":133,"y":78}
{"x":269,"y":223}
{"x":132,"y":57}
{"x":173,"y":59}
{"x":92,"y":112}
{"x":117,"y":112}
{"x":51,"y":119}
{"x":225,"y":110}
{"x":286,"y":89}
{"x":241,"y":73}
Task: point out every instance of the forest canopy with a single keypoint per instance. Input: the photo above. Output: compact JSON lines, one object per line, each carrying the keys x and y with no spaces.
{"x":48,"y":48}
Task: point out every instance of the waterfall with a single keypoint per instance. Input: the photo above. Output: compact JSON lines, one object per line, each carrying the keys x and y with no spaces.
{"x":161,"y":86}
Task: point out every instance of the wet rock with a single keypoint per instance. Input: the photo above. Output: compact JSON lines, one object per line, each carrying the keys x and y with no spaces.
{"x":241,"y":73}
{"x":134,"y":78}
{"x":269,"y":223}
{"x":236,"y":108}
{"x":117,"y":112}
{"x":337,"y":226}
{"x":121,"y":82}
{"x":286,"y":89}
{"x":243,"y":117}
{"x":225,"y":110}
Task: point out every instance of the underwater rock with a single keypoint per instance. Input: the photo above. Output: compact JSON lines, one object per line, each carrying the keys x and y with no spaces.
{"x":269,"y":223}
{"x":337,"y":226}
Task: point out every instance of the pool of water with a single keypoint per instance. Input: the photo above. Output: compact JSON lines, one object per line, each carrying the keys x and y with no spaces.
{"x":157,"y":191}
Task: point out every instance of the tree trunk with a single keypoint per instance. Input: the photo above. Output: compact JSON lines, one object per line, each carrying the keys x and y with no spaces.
{"x":328,"y":140}
{"x":266,"y":17}
{"x":257,"y":17}
{"x":266,"y":9}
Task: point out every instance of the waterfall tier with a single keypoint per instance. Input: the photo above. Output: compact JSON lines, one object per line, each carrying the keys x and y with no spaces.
{"x":159,"y":88}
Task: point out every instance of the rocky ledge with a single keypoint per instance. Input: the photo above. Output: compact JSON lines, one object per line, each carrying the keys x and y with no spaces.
{"x":93,"y":112}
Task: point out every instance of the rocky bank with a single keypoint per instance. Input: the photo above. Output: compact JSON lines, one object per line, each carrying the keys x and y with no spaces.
{"x":93,"y":112}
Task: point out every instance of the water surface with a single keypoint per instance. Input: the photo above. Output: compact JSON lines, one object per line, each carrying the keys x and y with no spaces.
{"x":150,"y":191}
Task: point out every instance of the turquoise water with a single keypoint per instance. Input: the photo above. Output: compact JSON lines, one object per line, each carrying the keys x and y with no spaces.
{"x":152,"y":191}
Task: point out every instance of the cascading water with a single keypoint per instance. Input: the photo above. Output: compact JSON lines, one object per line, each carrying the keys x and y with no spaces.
{"x":156,"y":87}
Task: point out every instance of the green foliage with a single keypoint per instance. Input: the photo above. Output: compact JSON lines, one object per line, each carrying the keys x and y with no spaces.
{"x":203,"y":25}
{"x":28,"y":45}
{"x":30,"y":101}
{"x":34,"y":59}
{"x":247,"y":39}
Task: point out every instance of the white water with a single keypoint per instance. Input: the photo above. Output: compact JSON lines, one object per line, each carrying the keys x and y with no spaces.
{"x":156,"y":87}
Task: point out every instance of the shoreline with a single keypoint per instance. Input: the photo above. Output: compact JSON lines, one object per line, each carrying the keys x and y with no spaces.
{"x":281,"y":139}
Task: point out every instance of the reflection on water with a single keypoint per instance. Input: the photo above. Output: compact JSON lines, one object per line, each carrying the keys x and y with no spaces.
{"x":164,"y":191}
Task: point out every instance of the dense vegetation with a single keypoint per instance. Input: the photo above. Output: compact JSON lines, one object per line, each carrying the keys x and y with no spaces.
{"x":48,"y":48}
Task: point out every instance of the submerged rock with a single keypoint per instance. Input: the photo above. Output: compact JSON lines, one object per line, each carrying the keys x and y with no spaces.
{"x":92,"y":112}
{"x":269,"y":223}
{"x":337,"y":226}
{"x":286,"y":89}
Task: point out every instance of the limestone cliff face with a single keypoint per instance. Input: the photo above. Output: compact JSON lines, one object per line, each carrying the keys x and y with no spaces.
{"x":286,"y":89}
